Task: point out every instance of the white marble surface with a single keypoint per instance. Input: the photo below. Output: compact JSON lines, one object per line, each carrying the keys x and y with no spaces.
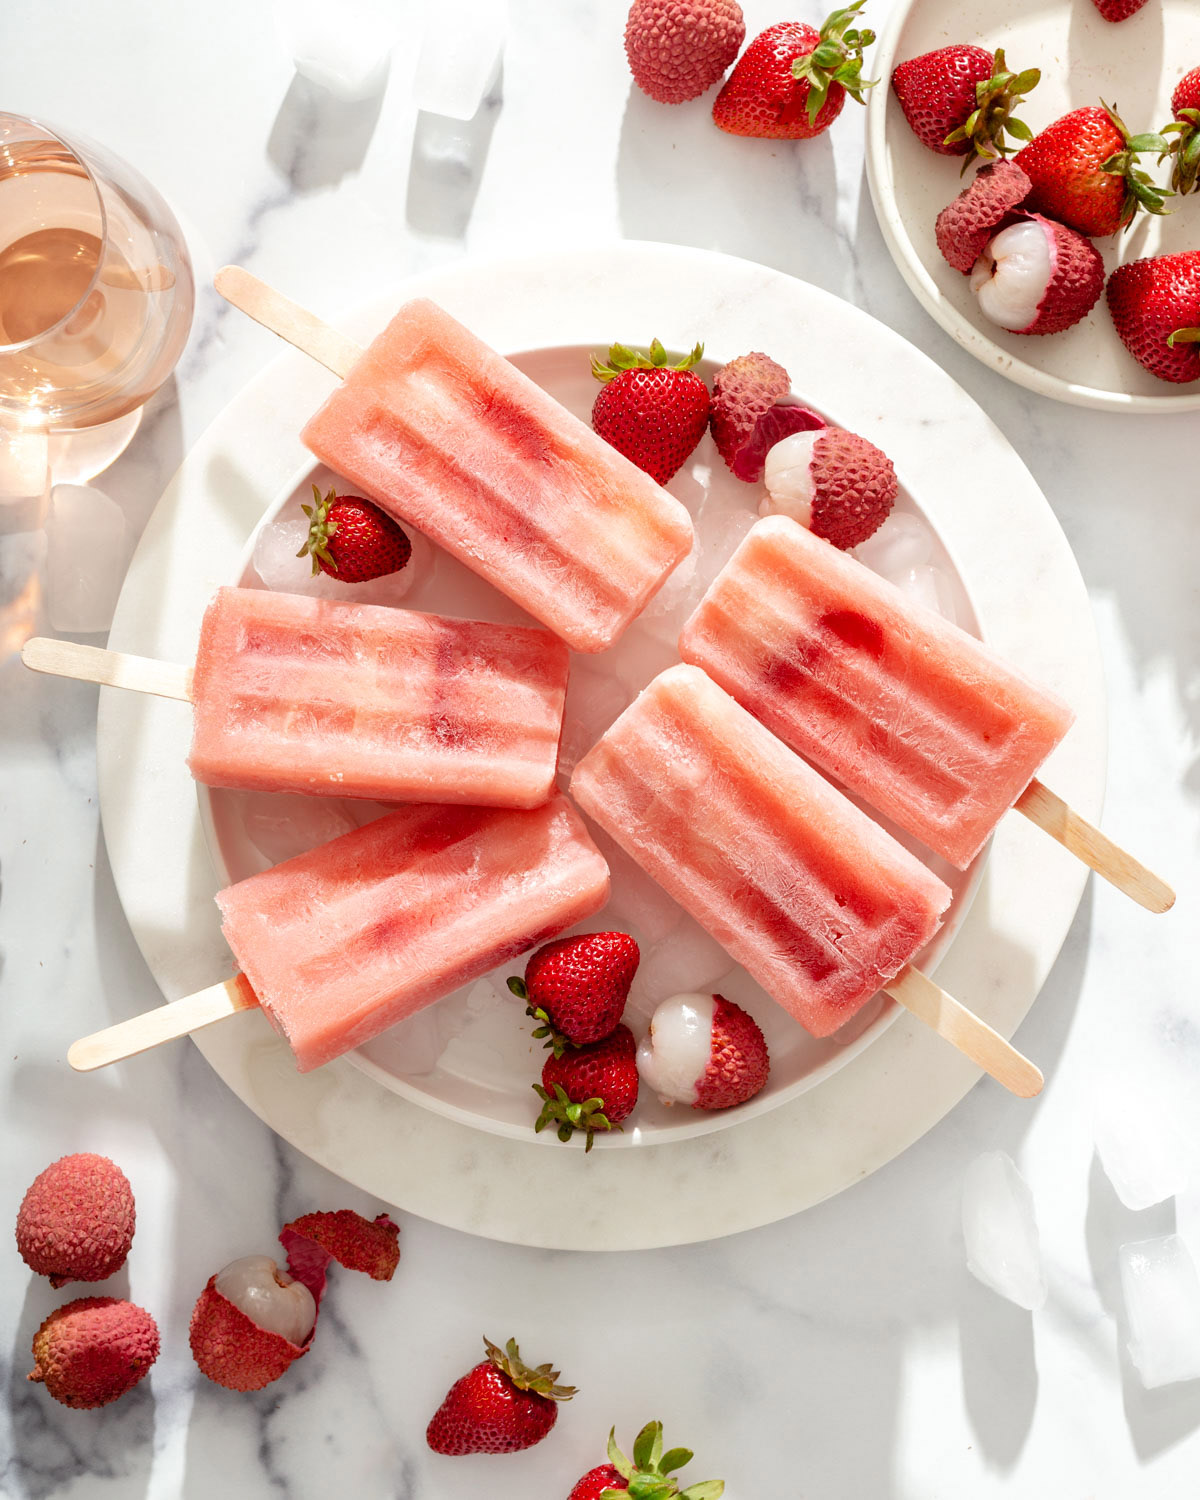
{"x":842,"y":1355}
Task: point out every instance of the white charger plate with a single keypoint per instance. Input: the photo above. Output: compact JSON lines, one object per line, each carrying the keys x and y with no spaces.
{"x":1132,"y":65}
{"x":945,"y":449}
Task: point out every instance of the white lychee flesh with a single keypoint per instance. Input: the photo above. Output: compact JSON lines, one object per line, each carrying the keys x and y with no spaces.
{"x":787,"y":473}
{"x":269,"y":1297}
{"x":674,"y":1053}
{"x":1011,"y":276}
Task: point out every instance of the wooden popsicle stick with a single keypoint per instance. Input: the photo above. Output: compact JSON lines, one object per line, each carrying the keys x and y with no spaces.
{"x":288,"y":319}
{"x":110,"y":668}
{"x":1053,"y":816}
{"x":163,"y":1024}
{"x":963,"y":1029}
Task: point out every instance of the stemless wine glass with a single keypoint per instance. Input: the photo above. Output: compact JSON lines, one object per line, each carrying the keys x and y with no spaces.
{"x":96,"y":286}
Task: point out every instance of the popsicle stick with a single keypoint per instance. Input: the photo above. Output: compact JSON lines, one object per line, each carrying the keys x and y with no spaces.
{"x":1052,"y":815}
{"x":288,"y":319}
{"x":164,"y":1024}
{"x":963,"y":1029}
{"x":111,"y":668}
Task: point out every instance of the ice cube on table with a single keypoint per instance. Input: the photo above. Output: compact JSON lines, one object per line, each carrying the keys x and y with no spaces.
{"x":281,"y":826}
{"x":1141,"y":1151}
{"x":276,"y":563}
{"x":342,"y":48}
{"x":1000,"y":1230}
{"x":460,"y":52}
{"x":88,"y":548}
{"x":1162,"y":1302}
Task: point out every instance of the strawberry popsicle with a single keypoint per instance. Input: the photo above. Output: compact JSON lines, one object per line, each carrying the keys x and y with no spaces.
{"x":450,"y":437}
{"x":296,"y":694}
{"x":905,"y":709}
{"x":346,"y":940}
{"x":817,"y":902}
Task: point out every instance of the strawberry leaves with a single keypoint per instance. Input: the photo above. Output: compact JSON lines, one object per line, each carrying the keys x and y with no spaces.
{"x":1185,"y":150}
{"x":837,"y":58}
{"x":568,"y":1117}
{"x":1140,"y":191}
{"x":320,"y":529}
{"x":992,"y":118}
{"x":648,"y":1477}
{"x":621,"y":358}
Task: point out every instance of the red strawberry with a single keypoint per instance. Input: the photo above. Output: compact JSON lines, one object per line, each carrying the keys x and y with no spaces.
{"x":648,"y":1476}
{"x":1084,"y":173}
{"x":501,"y":1406}
{"x":352,"y":539}
{"x":1155,"y":306}
{"x":959,"y":100}
{"x":1185,"y":106}
{"x":577,"y":986}
{"x":589,"y":1088}
{"x":652,"y":412}
{"x":1118,"y":10}
{"x":791,"y":81}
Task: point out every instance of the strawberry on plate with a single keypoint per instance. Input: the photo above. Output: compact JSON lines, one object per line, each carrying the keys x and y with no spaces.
{"x":500,"y":1406}
{"x":1155,"y":306}
{"x":1185,"y":127}
{"x":959,"y":101}
{"x":1118,"y":10}
{"x":589,"y":1088}
{"x":1084,"y":172}
{"x":651,"y":411}
{"x":577,"y":987}
{"x":791,"y":81}
{"x":649,"y":1476}
{"x":352,"y":539}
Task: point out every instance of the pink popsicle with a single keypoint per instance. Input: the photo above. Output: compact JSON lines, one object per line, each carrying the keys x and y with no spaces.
{"x":294,"y":694}
{"x":902,"y":707}
{"x":346,"y":940}
{"x":816,"y":901}
{"x":450,"y":437}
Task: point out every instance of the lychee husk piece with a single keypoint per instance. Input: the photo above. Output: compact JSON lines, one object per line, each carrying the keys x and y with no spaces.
{"x":984,"y":129}
{"x":744,"y":391}
{"x":89,"y":1352}
{"x":232,"y":1350}
{"x":77,"y":1219}
{"x":358,"y":1244}
{"x":542,"y":1380}
{"x":984,"y":206}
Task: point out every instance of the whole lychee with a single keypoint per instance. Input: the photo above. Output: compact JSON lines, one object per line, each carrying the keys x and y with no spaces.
{"x":76,"y":1221}
{"x":93,"y":1350}
{"x":1037,"y":276}
{"x":250,"y":1323}
{"x":838,"y":484}
{"x":748,"y":417}
{"x":705,"y":1051}
{"x":679,"y":48}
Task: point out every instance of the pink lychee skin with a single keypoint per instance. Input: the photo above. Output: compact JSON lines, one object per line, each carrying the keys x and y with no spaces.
{"x":230,"y":1347}
{"x":1076,"y":279}
{"x":739,"y":1065}
{"x":679,"y":48}
{"x":981,"y":210}
{"x":854,"y":488}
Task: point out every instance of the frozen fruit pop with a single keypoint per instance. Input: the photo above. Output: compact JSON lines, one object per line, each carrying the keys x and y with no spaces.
{"x":905,"y":709}
{"x":344,"y":941}
{"x":814,"y":899}
{"x":296,"y":694}
{"x":447,"y":435}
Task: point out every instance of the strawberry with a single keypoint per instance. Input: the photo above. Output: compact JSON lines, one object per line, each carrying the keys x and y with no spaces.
{"x":577,"y":987}
{"x":589,"y":1088}
{"x":1118,"y":10}
{"x":501,"y":1406}
{"x":652,"y":412}
{"x":1084,"y":173}
{"x":352,"y":539}
{"x":1185,"y":106}
{"x":648,"y":1477}
{"x":1155,"y":306}
{"x":959,"y":101}
{"x":791,"y":81}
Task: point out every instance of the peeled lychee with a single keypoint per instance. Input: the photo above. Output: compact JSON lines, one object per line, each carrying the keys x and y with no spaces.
{"x":1037,"y":276}
{"x":749,"y":415}
{"x":834,"y":482}
{"x":705,"y":1051}
{"x":76,"y":1221}
{"x":964,"y":227}
{"x":93,"y":1350}
{"x":679,"y":48}
{"x":250,"y":1323}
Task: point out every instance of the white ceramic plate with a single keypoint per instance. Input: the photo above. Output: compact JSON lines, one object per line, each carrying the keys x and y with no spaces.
{"x":897,"y":1087}
{"x":1133,"y":65}
{"x":470,"y":1056}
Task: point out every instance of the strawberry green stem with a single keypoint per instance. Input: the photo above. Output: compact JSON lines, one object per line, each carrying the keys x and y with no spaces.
{"x":837,"y":58}
{"x":622,"y":358}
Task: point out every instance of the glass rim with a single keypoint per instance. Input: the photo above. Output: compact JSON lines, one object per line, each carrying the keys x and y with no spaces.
{"x":68,"y":145}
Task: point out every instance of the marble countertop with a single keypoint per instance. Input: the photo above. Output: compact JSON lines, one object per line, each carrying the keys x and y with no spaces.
{"x":845,"y":1354}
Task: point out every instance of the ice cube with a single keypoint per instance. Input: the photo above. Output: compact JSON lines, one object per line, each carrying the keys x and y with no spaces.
{"x":24,"y":475}
{"x":276,"y":563}
{"x":594,"y":699}
{"x":684,"y":961}
{"x":1000,"y":1230}
{"x":927,"y":585}
{"x":460,"y":52}
{"x":1141,"y":1151}
{"x":281,"y":826}
{"x":88,"y":547}
{"x":1162,"y":1302}
{"x":904,"y":541}
{"x":343,"y":48}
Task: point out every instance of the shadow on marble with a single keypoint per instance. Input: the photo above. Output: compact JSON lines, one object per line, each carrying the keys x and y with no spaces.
{"x":317,"y":139}
{"x":447,"y":165}
{"x":999,"y":1372}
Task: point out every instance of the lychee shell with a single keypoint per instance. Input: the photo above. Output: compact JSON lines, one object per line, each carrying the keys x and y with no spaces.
{"x":854,"y":487}
{"x":679,"y":48}
{"x":76,"y":1222}
{"x":1076,"y":279}
{"x":965,"y":226}
{"x":91,"y":1351}
{"x":231,"y":1349}
{"x":743,"y":391}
